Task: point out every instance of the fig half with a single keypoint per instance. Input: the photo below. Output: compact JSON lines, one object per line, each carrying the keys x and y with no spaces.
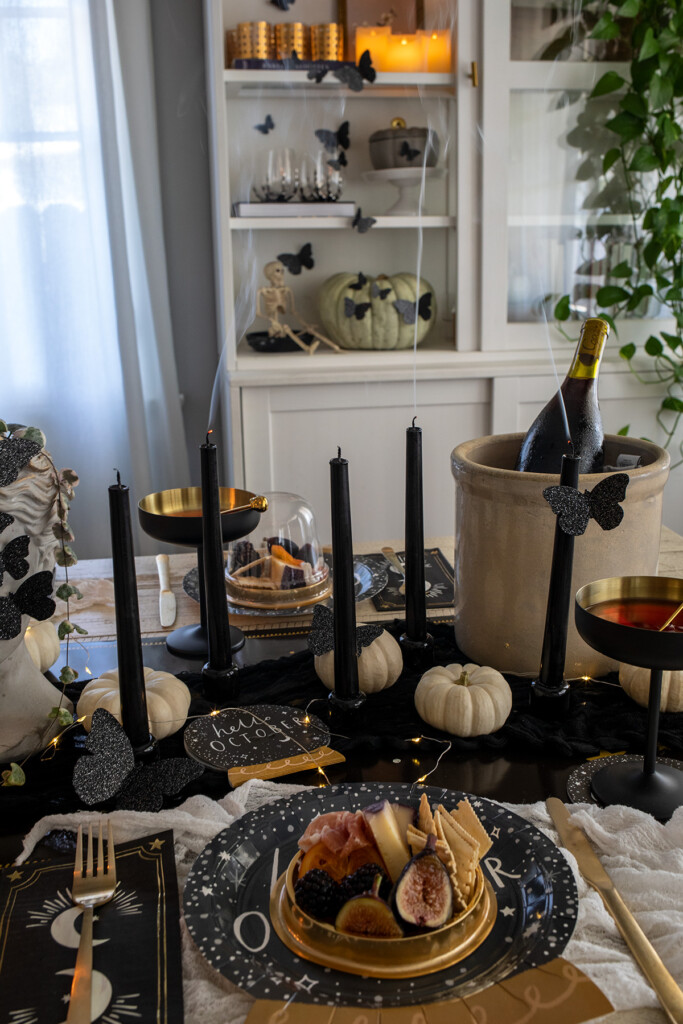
{"x":368,"y":915}
{"x":423,"y":895}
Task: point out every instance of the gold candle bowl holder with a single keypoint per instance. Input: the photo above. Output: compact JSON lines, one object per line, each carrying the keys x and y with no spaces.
{"x":327,"y":42}
{"x":291,"y":36}
{"x":255,"y":40}
{"x":409,"y":957}
{"x":175,"y":516}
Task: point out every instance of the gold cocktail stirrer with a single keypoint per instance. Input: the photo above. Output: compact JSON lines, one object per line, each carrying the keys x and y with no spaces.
{"x":671,"y":617}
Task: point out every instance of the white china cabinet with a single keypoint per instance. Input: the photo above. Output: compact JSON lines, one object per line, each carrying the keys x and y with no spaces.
{"x":502,"y":229}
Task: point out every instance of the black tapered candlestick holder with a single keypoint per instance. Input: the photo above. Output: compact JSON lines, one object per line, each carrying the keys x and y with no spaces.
{"x":550,"y":693}
{"x":615,"y":616}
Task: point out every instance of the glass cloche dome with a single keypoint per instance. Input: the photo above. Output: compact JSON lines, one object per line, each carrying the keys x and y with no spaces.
{"x":280,"y":565}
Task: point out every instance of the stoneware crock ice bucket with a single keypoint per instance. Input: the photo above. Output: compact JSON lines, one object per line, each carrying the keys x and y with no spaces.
{"x":504,"y":530}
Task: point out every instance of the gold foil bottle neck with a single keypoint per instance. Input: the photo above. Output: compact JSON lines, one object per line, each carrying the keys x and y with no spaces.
{"x":586,"y":362}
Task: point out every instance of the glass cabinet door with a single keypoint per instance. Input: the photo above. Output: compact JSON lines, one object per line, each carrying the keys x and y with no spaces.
{"x":550,"y":223}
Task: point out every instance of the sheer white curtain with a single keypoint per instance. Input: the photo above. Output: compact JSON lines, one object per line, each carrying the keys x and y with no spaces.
{"x":86,"y":347}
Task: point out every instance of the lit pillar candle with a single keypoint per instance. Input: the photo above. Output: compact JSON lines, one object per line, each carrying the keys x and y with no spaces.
{"x":345,"y":658}
{"x":437,"y":50}
{"x":217,"y":622}
{"x":405,"y":53}
{"x":128,"y":642}
{"x":416,"y":613}
{"x":375,"y":39}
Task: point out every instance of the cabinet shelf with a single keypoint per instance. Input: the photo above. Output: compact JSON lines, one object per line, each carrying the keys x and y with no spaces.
{"x":388,"y":83}
{"x":333,"y":223}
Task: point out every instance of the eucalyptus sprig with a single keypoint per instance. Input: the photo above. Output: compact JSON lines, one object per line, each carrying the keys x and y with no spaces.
{"x":640,"y":170}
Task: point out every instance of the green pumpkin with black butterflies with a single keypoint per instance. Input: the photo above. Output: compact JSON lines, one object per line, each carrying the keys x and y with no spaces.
{"x":384,"y":312}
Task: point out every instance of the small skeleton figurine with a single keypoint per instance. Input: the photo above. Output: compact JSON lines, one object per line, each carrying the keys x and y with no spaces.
{"x":278,"y":299}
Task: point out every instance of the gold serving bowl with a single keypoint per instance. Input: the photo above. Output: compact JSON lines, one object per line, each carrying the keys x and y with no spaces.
{"x":409,"y":957}
{"x":261,"y":597}
{"x":176,"y":515}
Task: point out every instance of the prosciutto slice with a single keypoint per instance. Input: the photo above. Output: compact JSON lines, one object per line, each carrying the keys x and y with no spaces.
{"x":342,"y":832}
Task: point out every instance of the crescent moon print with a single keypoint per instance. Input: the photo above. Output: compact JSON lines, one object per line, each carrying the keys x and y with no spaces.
{"x":63,"y":929}
{"x":101,"y":992}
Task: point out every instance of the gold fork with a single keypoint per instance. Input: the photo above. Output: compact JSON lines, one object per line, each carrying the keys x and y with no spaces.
{"x":90,"y":888}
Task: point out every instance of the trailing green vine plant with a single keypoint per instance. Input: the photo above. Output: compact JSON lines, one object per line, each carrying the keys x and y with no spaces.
{"x":64,"y":481}
{"x":641,"y":169}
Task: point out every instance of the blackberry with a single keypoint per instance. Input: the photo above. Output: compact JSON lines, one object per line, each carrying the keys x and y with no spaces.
{"x":318,"y":895}
{"x":362,"y":880}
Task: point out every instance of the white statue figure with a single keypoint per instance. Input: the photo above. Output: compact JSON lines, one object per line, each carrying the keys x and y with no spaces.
{"x":277,"y":300}
{"x":28,"y":511}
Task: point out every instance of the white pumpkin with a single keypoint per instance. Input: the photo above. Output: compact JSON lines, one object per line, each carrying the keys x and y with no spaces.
{"x":382,"y":324}
{"x":168,"y":700}
{"x":636,"y":682}
{"x":379,"y":665}
{"x":465,"y":700}
{"x":42,"y":643}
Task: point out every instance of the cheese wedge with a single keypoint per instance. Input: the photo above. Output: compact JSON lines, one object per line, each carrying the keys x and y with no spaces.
{"x":385,"y":830}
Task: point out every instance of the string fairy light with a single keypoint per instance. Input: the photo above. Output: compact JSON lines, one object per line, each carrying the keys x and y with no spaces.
{"x":447,"y":744}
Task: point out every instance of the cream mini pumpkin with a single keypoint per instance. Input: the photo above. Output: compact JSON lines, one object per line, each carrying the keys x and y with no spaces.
{"x":465,"y":700}
{"x":379,"y":665}
{"x":42,"y":644}
{"x":168,"y":700}
{"x":636,"y":682}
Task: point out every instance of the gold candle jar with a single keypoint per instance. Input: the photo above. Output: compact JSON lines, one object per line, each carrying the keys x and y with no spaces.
{"x":231,"y":46}
{"x":254,"y":40}
{"x":327,"y":42}
{"x":291,"y":36}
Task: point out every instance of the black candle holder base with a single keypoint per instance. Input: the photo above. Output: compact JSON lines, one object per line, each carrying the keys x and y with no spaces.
{"x":221,"y":684}
{"x":549,"y":702}
{"x":147,"y":752}
{"x":192,"y":642}
{"x":658,"y":793}
{"x":344,"y":712}
{"x":417,"y":653}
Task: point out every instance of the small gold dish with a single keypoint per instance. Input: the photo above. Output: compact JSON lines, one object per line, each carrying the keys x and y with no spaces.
{"x":297,"y":597}
{"x":409,"y":957}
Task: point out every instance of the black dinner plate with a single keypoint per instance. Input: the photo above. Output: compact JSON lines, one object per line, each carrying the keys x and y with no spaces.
{"x":226,"y":903}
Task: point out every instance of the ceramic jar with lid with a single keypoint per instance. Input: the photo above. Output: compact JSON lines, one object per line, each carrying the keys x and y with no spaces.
{"x":400,"y":146}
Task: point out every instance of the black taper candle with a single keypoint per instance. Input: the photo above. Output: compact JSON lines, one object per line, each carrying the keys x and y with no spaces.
{"x":219,"y":667}
{"x":416,"y":608}
{"x":134,"y":716}
{"x":345,"y":659}
{"x":550,"y":692}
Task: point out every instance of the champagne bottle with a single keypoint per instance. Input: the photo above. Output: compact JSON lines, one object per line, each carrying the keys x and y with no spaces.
{"x":548,"y":436}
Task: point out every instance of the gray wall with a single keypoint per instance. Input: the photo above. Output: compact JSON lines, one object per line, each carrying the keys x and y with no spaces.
{"x":180,"y":82}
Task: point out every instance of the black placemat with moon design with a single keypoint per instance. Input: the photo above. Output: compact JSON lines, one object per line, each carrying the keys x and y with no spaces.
{"x":137,"y":968}
{"x":226,"y":903}
{"x":439,"y":579}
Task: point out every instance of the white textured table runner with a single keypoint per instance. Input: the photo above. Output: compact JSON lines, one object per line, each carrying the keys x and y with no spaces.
{"x":644,"y":858}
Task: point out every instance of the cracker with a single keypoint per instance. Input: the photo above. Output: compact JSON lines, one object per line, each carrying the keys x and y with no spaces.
{"x":466,"y":815}
{"x":464,"y":848}
{"x":459,"y":898}
{"x":425,"y":818}
{"x":417,"y":840}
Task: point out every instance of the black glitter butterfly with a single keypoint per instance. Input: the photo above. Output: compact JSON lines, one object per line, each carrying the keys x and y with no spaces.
{"x":317,"y":74}
{"x":361,"y":223}
{"x":410,"y":310}
{"x":5,"y":520}
{"x":357,"y":285}
{"x":378,"y":292}
{"x":407,"y":152}
{"x":295,"y":261}
{"x":13,"y":558}
{"x":282,"y":5}
{"x":321,"y":638}
{"x":574,"y":509}
{"x":334,"y":140}
{"x":352,"y":75}
{"x":108,"y":767}
{"x":357,"y":309}
{"x":339,"y":161}
{"x":15,"y":453}
{"x":267,"y":125}
{"x":32,"y":598}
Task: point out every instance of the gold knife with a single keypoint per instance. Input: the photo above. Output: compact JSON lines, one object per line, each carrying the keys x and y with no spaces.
{"x":669,"y":994}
